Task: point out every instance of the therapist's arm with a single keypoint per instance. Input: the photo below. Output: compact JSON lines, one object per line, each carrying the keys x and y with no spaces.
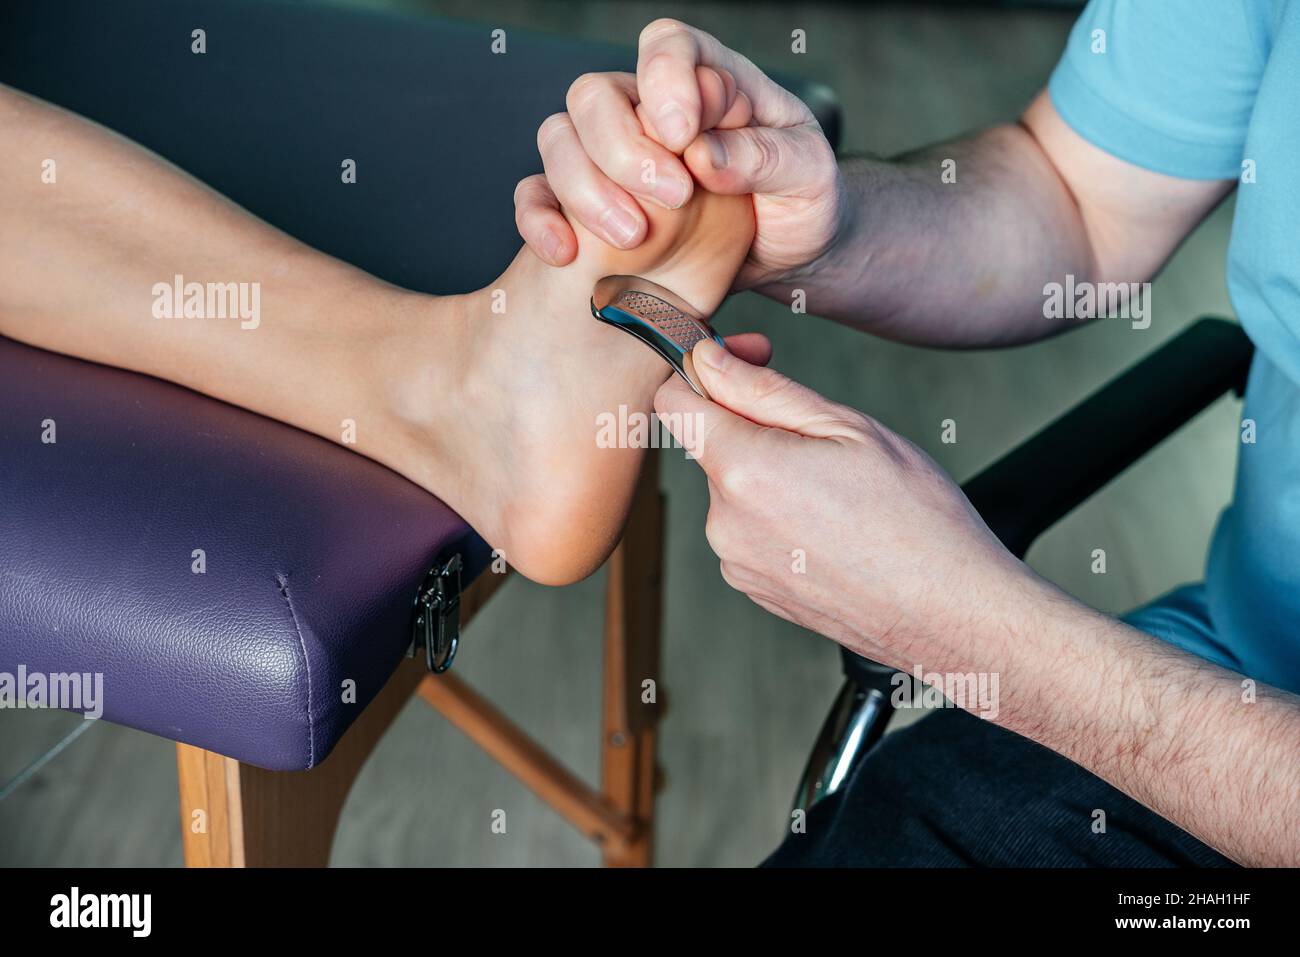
{"x":890,"y":246}
{"x":825,"y":517}
{"x":965,"y":264}
{"x":1207,"y":749}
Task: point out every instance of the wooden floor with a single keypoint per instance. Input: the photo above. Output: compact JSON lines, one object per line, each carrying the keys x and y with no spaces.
{"x":747,"y":691}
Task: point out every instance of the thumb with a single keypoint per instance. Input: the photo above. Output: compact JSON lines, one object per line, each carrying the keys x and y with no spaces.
{"x":690,"y":418}
{"x":760,"y":159}
{"x":764,"y":396}
{"x":711,"y":434}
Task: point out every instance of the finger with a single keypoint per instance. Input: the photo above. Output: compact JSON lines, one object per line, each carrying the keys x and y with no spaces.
{"x":602,"y":108}
{"x":717,"y":93}
{"x":739,"y":114}
{"x":669,"y":51}
{"x":541,"y":224}
{"x":583,"y":190}
{"x":764,"y":396}
{"x":722,"y":105}
{"x":795,"y":161}
{"x":754,"y":347}
{"x":714,"y":436}
{"x":665,"y":71}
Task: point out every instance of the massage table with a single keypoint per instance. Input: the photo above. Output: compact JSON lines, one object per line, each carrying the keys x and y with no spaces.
{"x":331,"y":588}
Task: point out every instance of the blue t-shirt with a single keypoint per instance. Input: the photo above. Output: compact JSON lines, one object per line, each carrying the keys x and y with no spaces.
{"x":1210,"y":89}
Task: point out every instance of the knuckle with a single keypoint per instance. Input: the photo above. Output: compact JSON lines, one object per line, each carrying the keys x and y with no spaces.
{"x":713,"y":533}
{"x":769,"y":386}
{"x":624,"y":163}
{"x":845,"y":420}
{"x":524,"y":215}
{"x":738,"y":575}
{"x":865,"y":428}
{"x":853,"y":426}
{"x":823,"y":172}
{"x":766,"y":157}
{"x":553,"y":126}
{"x":528,"y":190}
{"x":660,"y":28}
{"x":586,"y":88}
{"x":736,"y":480}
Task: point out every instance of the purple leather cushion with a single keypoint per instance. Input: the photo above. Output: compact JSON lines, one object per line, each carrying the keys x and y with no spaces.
{"x":313,"y":553}
{"x":313,"y":556}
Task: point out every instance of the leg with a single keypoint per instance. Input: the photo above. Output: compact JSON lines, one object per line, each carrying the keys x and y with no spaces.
{"x":238,"y":815}
{"x":489,"y":400}
{"x":633,"y":611}
{"x":954,"y":790}
{"x":619,"y":816}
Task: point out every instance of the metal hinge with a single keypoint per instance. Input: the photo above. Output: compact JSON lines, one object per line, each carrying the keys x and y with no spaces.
{"x":436,"y":624}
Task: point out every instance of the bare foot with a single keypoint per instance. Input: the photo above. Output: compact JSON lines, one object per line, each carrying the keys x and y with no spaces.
{"x":519,"y":458}
{"x":494,"y":410}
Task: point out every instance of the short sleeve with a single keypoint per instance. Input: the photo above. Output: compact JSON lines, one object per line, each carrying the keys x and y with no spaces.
{"x":1168,"y":85}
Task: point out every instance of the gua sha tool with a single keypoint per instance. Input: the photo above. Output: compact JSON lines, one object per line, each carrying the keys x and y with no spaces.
{"x":659,"y":318}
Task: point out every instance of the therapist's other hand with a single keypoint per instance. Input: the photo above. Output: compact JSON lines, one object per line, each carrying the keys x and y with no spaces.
{"x":828,"y":519}
{"x":735,"y":131}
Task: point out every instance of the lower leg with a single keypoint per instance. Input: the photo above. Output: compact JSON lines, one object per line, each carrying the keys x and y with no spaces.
{"x":488,"y":400}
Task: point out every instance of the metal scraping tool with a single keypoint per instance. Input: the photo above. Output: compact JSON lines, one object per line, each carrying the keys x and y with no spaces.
{"x":656,"y":316}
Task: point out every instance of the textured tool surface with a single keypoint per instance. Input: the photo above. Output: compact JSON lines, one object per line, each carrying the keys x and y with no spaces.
{"x":682,"y":329}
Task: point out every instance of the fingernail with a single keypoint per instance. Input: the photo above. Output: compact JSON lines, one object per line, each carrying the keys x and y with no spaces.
{"x":709,"y":353}
{"x":717,"y":151}
{"x":671,"y":191}
{"x":672,"y":124}
{"x":551,"y":246}
{"x":619,"y":225}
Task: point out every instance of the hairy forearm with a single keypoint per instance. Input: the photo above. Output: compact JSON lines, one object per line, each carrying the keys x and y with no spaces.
{"x":1201,"y":746}
{"x":956,"y":264}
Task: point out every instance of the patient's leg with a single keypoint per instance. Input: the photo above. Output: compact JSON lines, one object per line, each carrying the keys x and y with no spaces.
{"x":489,"y":400}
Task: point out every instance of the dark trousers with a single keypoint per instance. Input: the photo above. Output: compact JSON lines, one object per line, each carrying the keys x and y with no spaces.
{"x":954,"y":790}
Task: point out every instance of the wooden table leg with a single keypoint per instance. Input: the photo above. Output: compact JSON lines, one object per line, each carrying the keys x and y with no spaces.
{"x":632,"y":692}
{"x":238,"y":815}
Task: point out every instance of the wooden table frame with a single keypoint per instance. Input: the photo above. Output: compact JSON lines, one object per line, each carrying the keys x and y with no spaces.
{"x":237,"y":815}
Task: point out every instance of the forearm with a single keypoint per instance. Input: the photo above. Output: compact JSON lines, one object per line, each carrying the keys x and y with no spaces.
{"x":956,"y":264}
{"x":1178,"y":734}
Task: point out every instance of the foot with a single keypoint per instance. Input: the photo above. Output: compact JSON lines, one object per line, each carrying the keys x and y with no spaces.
{"x":511,"y":444}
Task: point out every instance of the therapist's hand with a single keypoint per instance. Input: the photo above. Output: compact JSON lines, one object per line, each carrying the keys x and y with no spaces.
{"x":734,"y":130}
{"x":825,"y":517}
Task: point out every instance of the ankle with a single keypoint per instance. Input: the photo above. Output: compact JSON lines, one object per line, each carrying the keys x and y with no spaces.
{"x":424,"y":358}
{"x":495,"y":398}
